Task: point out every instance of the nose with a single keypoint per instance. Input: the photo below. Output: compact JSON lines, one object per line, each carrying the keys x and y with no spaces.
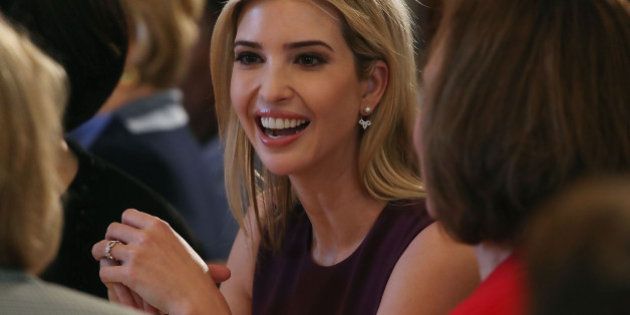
{"x":275,"y":85}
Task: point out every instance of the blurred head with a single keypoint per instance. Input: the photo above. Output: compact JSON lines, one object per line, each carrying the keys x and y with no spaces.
{"x":87,"y":37}
{"x":377,"y":35}
{"x":32,"y":87}
{"x":522,"y":97}
{"x":587,"y":269}
{"x":162,"y":34}
{"x":197,"y":86}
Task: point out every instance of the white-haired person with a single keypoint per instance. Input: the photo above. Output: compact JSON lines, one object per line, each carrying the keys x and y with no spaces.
{"x":32,"y":89}
{"x":316,"y":102}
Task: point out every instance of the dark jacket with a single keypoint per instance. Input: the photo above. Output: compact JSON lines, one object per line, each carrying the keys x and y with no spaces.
{"x":149,"y":139}
{"x":97,"y":197}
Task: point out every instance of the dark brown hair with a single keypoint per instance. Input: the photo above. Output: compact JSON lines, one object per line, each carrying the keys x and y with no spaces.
{"x":587,"y":270}
{"x":529,"y":96}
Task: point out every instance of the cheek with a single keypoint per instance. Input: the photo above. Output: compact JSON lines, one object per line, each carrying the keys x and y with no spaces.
{"x":239,"y":97}
{"x":337,"y":98}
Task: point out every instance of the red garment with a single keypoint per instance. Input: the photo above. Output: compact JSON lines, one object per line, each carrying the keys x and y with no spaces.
{"x":502,"y":293}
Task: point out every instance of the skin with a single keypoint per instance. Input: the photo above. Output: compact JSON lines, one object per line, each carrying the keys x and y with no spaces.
{"x":306,"y":70}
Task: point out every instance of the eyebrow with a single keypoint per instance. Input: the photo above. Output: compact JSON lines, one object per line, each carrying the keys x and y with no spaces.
{"x":308,"y":43}
{"x":295,"y":45}
{"x":247,"y":43}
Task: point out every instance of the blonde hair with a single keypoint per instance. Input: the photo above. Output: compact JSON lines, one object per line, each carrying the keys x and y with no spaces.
{"x":164,"y":32}
{"x":374,"y":30}
{"x":32,"y":90}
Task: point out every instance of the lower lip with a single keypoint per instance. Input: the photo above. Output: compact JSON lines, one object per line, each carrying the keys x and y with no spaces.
{"x":277,"y":142}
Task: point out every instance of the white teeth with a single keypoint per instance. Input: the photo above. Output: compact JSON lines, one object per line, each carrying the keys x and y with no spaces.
{"x":280,"y":123}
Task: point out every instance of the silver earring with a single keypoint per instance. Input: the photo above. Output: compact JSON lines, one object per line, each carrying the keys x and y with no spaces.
{"x":365,"y":123}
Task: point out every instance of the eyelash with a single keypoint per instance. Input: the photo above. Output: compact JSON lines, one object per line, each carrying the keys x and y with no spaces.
{"x":308,"y":60}
{"x":315,"y":60}
{"x":245,"y":58}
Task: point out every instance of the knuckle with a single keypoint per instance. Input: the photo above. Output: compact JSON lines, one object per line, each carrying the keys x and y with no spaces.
{"x":144,"y":239}
{"x":161,"y":226}
{"x":110,"y":230}
{"x":131,"y":277}
{"x":127,"y":213}
{"x":133,"y":256}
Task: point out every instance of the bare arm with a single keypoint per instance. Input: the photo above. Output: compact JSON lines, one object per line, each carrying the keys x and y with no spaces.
{"x":242,"y":261}
{"x":431,"y":277}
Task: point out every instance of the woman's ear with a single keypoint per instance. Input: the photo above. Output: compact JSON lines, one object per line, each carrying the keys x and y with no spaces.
{"x":374,"y":85}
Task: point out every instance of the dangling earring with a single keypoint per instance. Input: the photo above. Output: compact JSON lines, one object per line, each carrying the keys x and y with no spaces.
{"x":365,"y":123}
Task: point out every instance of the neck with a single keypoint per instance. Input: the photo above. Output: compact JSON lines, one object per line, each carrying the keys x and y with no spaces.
{"x":125,"y":93}
{"x":340,"y":211}
{"x":489,"y":256}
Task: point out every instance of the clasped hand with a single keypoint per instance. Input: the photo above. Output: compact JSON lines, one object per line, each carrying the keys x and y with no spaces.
{"x":155,"y":270}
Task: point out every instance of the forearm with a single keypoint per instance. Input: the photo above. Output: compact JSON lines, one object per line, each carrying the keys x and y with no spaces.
{"x":213,"y":304}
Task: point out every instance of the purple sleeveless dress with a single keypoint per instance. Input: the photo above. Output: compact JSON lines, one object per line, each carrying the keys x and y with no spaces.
{"x":290,"y":282}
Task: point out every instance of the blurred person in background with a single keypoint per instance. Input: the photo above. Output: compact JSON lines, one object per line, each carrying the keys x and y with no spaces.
{"x":143,"y":127}
{"x":88,"y":38}
{"x":199,"y":103}
{"x":521,"y":99}
{"x":586,"y":269}
{"x":32,"y":94}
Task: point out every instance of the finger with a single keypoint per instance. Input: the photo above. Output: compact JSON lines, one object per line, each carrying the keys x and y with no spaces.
{"x":111,"y":295}
{"x":139,"y":302}
{"x":138,"y":219}
{"x":148,"y":308}
{"x":122,"y":232}
{"x":125,"y":296}
{"x":113,"y":274}
{"x":119,"y":251}
{"x":116,"y":291}
{"x":219,"y":273}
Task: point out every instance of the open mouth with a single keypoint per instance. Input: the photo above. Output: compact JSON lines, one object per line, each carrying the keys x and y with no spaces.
{"x":279,"y":127}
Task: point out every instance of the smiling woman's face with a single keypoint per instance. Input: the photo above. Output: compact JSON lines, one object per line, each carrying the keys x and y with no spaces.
{"x":295,"y":87}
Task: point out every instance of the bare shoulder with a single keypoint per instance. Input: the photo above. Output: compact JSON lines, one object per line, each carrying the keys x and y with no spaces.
{"x":432,"y":276}
{"x":242,"y":261}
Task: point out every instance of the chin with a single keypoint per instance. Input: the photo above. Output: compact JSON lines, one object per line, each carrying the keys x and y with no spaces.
{"x":277,"y":167}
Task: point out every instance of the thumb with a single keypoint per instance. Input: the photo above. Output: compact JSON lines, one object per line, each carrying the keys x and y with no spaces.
{"x":219,"y":273}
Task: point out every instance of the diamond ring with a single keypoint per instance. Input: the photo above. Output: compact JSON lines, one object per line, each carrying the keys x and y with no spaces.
{"x":108,"y":249}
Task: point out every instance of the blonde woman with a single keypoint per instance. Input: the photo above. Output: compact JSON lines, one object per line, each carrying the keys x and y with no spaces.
{"x":32,"y":87}
{"x":316,"y":101}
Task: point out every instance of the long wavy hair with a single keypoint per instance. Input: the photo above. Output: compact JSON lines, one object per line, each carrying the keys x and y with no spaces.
{"x":374,"y":30}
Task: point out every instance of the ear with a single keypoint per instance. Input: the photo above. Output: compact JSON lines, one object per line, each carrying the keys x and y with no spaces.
{"x":374,"y":85}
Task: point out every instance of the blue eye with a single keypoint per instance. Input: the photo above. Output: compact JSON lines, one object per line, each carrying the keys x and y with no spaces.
{"x":248,"y":58}
{"x":310,"y":60}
